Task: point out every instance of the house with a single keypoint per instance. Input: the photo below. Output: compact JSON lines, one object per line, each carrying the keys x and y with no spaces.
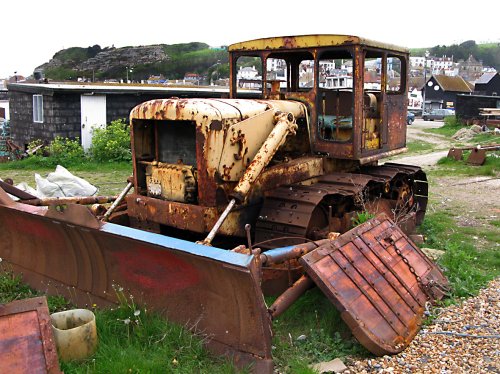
{"x":248,"y":77}
{"x":470,"y":69}
{"x":488,"y":84}
{"x":192,"y":78}
{"x":441,"y":91}
{"x":4,"y":104}
{"x":44,"y":111}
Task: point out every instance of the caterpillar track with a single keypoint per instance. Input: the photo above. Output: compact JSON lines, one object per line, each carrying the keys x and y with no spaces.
{"x":329,"y":204}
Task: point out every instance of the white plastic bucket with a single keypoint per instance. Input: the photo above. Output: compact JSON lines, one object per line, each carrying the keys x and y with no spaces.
{"x":75,"y":334}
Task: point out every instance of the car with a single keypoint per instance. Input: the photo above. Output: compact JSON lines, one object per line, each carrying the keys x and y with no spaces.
{"x":438,"y":114}
{"x":410,"y":118}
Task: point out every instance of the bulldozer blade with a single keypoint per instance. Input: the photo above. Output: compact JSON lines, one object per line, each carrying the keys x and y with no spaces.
{"x":214,"y":292}
{"x":379,"y":280}
{"x":477,"y":157}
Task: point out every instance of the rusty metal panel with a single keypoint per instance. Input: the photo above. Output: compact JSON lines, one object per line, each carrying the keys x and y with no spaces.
{"x":242,"y":142}
{"x":26,"y":341}
{"x":379,"y":280}
{"x":308,"y":41}
{"x":477,"y":157}
{"x":455,"y":153}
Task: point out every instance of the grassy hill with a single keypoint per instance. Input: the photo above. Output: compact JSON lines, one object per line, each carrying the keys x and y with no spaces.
{"x":173,"y":62}
{"x":489,"y":53}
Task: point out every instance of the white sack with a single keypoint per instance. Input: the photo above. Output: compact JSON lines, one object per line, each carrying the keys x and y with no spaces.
{"x":61,"y":183}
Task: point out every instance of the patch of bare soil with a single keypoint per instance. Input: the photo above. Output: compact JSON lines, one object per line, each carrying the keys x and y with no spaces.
{"x":474,"y":199}
{"x":418,"y":134}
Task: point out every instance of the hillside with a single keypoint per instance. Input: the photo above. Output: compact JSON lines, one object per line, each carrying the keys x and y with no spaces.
{"x":175,"y":60}
{"x":489,"y":53}
{"x":171,"y":61}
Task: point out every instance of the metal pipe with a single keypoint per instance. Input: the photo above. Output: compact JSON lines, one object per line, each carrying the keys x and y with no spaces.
{"x":285,"y":125}
{"x":218,"y":224}
{"x":280,"y":255}
{"x":287,"y":298}
{"x":82,"y":200}
{"x":117,"y":201}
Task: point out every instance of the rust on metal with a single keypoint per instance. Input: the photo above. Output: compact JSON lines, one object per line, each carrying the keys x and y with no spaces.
{"x":377,"y":279}
{"x":27,"y":344}
{"x":291,"y":295}
{"x":477,"y":155}
{"x":189,"y":283}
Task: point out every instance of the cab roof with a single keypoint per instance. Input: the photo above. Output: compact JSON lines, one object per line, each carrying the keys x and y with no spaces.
{"x":309,"y":41}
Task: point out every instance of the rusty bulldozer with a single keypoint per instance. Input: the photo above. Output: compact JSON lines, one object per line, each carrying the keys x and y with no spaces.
{"x":255,"y":194}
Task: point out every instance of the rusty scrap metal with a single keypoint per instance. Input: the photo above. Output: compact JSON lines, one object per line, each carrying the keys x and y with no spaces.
{"x":82,"y":200}
{"x":477,"y":155}
{"x":291,"y":295}
{"x":381,"y":285}
{"x":118,"y":200}
{"x":285,"y":125}
{"x":26,"y":340}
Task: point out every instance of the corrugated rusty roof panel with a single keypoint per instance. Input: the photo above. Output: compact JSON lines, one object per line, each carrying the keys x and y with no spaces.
{"x":379,"y":280}
{"x":26,"y":340}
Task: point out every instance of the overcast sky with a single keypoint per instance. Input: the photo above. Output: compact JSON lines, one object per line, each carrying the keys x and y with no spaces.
{"x":32,"y":31}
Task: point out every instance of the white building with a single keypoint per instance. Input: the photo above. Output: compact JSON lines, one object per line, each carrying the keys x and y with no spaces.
{"x":247,"y":73}
{"x":415,"y":99}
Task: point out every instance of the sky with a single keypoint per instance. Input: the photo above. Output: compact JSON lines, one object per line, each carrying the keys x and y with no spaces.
{"x":33,"y":31}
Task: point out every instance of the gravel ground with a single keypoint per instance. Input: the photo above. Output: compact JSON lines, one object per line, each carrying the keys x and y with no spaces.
{"x":463,"y":338}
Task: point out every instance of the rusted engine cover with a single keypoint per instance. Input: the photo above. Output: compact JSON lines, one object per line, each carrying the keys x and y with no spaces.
{"x":26,"y":340}
{"x":379,"y":280}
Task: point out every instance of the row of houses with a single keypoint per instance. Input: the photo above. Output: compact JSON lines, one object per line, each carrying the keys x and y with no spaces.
{"x":470,"y":69}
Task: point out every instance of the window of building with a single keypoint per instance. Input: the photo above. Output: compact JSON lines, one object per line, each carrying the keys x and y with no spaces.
{"x":249,"y":74}
{"x":38,"y":108}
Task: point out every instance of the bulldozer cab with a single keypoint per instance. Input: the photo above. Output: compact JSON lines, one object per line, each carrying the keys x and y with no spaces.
{"x":355,"y":89}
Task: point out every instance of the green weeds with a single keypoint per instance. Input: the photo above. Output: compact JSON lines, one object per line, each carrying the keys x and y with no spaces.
{"x":449,"y":166}
{"x":467,"y":267}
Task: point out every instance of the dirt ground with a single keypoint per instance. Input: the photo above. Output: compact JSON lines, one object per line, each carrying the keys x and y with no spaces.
{"x":475,"y":197}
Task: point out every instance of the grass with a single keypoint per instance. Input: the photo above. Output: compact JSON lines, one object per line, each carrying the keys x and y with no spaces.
{"x":467,"y":268}
{"x":130,"y":339}
{"x":133,"y":340}
{"x":419,"y":146}
{"x":111,"y":178}
{"x":311,"y":331}
{"x":449,"y":167}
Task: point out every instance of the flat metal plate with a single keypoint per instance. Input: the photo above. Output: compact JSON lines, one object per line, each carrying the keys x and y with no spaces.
{"x":372,"y":285}
{"x":26,"y":340}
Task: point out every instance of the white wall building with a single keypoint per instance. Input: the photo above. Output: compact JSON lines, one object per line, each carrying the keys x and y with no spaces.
{"x":247,"y":72}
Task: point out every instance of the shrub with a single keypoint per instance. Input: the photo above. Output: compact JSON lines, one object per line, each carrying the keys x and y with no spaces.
{"x":111,"y":143}
{"x":61,"y":151}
